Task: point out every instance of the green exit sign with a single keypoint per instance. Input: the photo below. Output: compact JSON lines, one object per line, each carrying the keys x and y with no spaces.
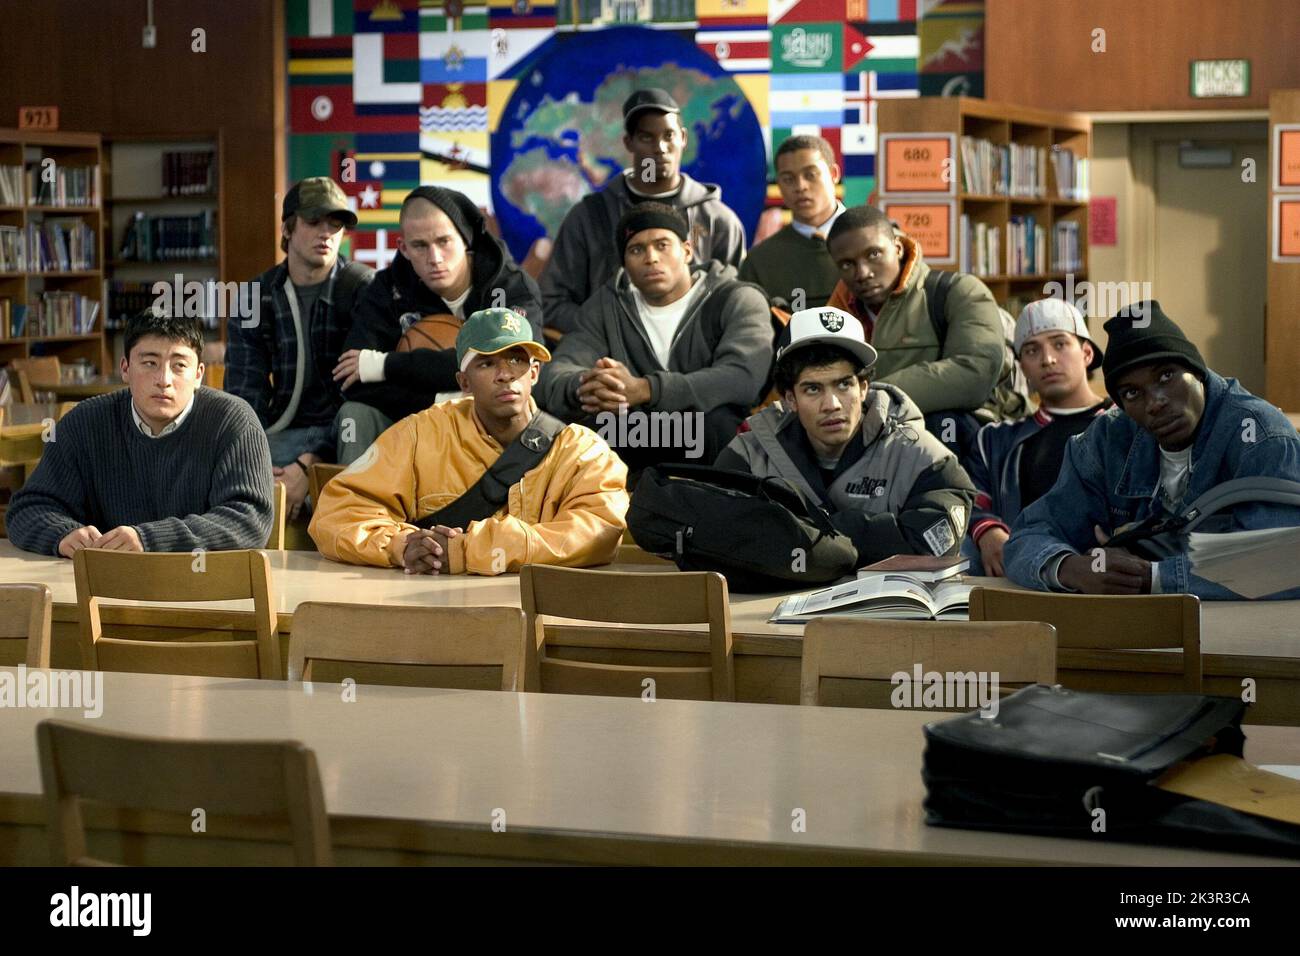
{"x":1220,"y":78}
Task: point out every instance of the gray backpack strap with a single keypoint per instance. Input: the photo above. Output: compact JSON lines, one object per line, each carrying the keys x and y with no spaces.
{"x":1278,"y":491}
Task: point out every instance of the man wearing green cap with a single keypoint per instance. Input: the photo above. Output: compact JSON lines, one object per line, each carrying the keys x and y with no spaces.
{"x":417,"y":499}
{"x":282,"y":364}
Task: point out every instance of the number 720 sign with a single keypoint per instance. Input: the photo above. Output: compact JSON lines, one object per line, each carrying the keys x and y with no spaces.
{"x":930,"y":222}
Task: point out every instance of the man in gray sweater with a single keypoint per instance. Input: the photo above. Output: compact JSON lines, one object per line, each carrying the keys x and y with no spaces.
{"x":162,"y":465}
{"x":667,"y":358}
{"x":585,"y":257}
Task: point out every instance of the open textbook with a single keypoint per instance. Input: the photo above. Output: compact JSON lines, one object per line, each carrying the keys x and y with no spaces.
{"x":891,"y":596}
{"x":1252,"y":563}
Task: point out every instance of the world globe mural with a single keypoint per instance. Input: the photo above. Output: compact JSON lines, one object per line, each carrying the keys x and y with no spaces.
{"x":560,"y":135}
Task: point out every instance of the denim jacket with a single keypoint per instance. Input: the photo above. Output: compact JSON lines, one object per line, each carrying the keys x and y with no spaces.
{"x":1111,"y":477}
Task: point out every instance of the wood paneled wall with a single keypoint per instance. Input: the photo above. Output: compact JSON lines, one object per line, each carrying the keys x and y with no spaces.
{"x":86,"y":57}
{"x":1039,"y":52}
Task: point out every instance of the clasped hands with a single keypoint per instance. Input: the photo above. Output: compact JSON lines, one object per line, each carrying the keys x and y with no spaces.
{"x":609,"y":386}
{"x":121,"y":538}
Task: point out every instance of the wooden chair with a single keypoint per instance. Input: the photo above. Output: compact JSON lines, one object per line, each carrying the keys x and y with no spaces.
{"x":178,"y":578}
{"x":628,"y":598}
{"x":1020,"y":652}
{"x":276,"y":781}
{"x":33,"y":374}
{"x":425,"y":640}
{"x":1105,"y":621}
{"x":25,"y":615}
{"x":317,"y":476}
{"x":279,"y":497}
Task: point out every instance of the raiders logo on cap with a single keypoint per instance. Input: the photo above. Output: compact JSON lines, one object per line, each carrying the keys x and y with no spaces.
{"x":831,"y":321}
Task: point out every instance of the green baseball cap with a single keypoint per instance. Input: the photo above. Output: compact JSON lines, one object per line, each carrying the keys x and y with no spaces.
{"x":489,"y":331}
{"x":316,"y":198}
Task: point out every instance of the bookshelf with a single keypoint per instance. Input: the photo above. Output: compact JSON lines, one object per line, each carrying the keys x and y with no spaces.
{"x":51,"y":248}
{"x":165,"y":190}
{"x":1040,"y":190}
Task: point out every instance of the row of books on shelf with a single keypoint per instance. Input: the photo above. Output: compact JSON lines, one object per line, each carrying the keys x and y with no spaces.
{"x":978,"y":248}
{"x":54,"y":313}
{"x":1026,"y":246}
{"x":981,"y":251}
{"x":1071,"y":174}
{"x":55,"y":245}
{"x":1020,"y":171}
{"x":188,"y":173}
{"x":50,"y":185}
{"x":126,"y":298}
{"x":169,"y":238}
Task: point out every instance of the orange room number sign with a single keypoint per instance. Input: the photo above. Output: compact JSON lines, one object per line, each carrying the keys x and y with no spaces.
{"x":38,"y":117}
{"x":929,"y":223}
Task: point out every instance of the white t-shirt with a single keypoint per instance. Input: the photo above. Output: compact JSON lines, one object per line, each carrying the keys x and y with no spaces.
{"x":1174,"y":469}
{"x":661,"y":321}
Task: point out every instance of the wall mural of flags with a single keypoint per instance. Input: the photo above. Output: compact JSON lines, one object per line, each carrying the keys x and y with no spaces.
{"x":411,"y":90}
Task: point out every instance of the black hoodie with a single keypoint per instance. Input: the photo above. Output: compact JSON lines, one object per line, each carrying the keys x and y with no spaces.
{"x":413,"y":379}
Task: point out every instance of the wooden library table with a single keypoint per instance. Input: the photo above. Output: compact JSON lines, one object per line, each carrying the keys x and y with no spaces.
{"x":1255,"y":639}
{"x":418,"y":776}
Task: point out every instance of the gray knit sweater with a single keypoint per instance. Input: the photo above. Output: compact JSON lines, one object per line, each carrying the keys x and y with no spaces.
{"x":206,"y":485}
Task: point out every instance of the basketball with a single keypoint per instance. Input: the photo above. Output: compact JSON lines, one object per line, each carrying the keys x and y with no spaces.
{"x":431,"y":332}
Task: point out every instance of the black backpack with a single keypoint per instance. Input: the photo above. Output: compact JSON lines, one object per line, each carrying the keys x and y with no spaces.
{"x":758,"y":533}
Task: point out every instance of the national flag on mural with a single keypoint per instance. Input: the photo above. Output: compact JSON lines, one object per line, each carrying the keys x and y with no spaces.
{"x":318,"y":18}
{"x":805,"y":11}
{"x":521,"y":14}
{"x":737,"y":44}
{"x":386,"y":16}
{"x":885,"y":11}
{"x":447,"y":16}
{"x":454,"y":57}
{"x":880,"y":51}
{"x":863,"y":90}
{"x":511,"y":52}
{"x":454,"y":108}
{"x":806,"y":47}
{"x":858,"y":147}
{"x":806,"y":99}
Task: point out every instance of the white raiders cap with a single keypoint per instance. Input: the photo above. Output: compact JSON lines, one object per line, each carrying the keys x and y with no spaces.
{"x":829,"y":326}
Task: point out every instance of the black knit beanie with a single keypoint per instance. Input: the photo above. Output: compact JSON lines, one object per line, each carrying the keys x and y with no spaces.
{"x":649,"y":215}
{"x":459,"y":208}
{"x":1141,"y":334}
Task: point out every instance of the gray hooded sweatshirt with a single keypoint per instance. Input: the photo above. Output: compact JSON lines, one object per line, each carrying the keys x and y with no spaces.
{"x":585,"y":255}
{"x":720,"y":354}
{"x":895,"y":490}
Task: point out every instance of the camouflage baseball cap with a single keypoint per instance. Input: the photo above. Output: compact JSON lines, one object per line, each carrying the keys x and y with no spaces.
{"x":316,"y":198}
{"x":489,"y":331}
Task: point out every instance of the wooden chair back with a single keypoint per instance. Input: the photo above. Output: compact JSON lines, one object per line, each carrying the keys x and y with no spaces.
{"x":623,"y":597}
{"x":35,"y":373}
{"x":25,"y":616}
{"x":179,"y":578}
{"x":317,"y":476}
{"x":425,"y":640}
{"x":1020,"y":653}
{"x":277,"y":781}
{"x":279,"y":498}
{"x":1105,"y":622}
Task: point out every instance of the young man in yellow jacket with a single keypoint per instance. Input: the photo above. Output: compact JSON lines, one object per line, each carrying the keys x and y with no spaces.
{"x":397,"y":505}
